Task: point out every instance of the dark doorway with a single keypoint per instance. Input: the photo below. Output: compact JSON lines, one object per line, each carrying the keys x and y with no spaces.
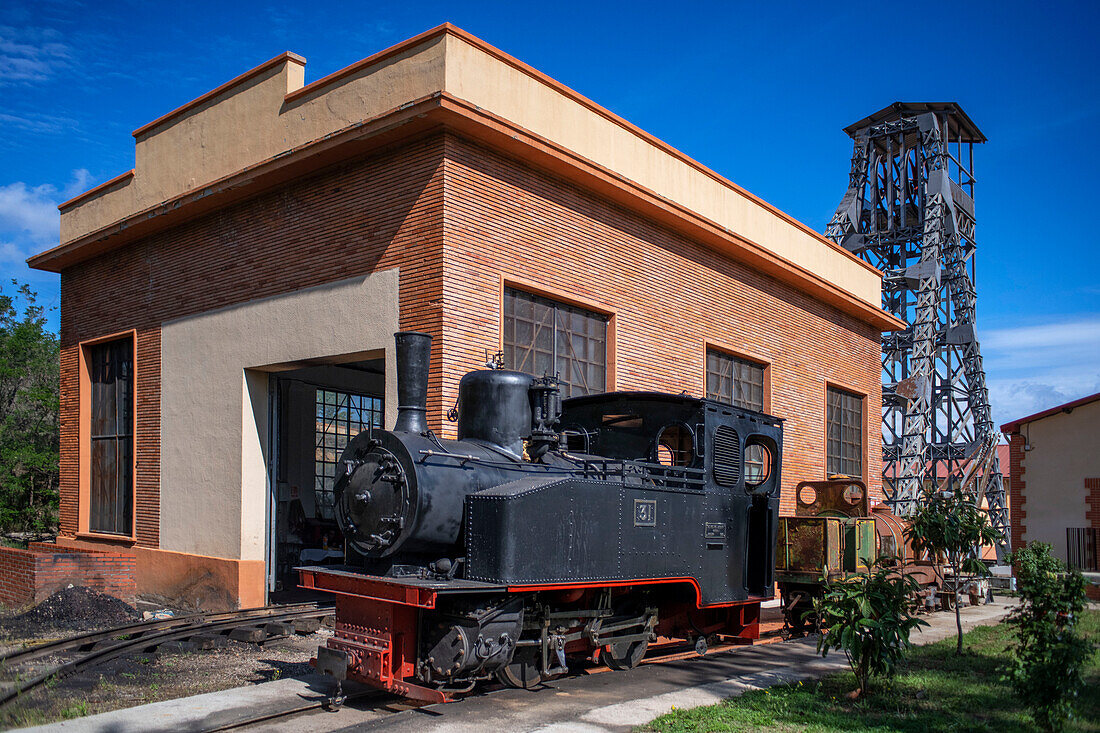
{"x":318,"y":410}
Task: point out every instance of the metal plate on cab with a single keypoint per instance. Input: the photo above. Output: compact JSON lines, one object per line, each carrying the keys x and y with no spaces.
{"x":714,"y":530}
{"x":645,"y":512}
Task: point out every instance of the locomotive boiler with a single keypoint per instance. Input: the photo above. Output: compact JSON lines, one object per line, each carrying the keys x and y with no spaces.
{"x":549,"y":532}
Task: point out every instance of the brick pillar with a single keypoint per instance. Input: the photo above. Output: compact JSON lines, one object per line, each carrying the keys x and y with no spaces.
{"x":1017,"y":484}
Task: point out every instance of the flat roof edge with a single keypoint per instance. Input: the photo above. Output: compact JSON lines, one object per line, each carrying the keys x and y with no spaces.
{"x":448,"y":28}
{"x":219,"y":90}
{"x":427,"y":110}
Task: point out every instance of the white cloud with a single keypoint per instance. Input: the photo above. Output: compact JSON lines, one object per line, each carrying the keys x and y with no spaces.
{"x":1036,"y":367}
{"x":29,"y":220}
{"x":31,"y":54}
{"x":37,"y":123}
{"x":28,"y":211}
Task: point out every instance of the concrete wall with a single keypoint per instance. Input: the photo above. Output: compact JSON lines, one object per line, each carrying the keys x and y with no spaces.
{"x":214,"y":398}
{"x":1065,"y":450}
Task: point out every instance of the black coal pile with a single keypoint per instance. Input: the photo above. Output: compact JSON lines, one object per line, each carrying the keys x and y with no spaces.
{"x":72,"y":609}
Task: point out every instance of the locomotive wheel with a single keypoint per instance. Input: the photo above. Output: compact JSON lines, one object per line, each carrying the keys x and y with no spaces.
{"x":522,"y":672}
{"x":624,"y":655}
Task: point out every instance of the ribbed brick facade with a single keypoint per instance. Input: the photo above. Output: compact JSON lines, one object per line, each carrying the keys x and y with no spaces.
{"x":669,"y":298}
{"x":460,"y":221}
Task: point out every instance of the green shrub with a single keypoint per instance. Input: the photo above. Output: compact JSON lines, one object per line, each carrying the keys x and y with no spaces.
{"x":869,"y":616}
{"x":1049,"y":653}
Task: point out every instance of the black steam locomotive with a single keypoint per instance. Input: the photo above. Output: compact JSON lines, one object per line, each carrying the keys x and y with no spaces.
{"x":547,"y":532}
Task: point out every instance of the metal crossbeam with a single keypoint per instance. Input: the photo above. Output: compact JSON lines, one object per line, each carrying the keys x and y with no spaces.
{"x":909,"y":211}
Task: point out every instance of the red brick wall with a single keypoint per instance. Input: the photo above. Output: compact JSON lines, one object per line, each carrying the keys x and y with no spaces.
{"x":32,"y":575}
{"x":1092,"y":500}
{"x":363,"y":216}
{"x":669,"y":295}
{"x":1017,"y":484}
{"x":16,"y":576}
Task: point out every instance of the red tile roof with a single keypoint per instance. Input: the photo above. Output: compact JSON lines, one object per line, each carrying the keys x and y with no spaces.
{"x":1012,"y":427}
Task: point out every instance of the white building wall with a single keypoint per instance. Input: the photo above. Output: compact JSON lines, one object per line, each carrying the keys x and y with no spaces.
{"x":1065,"y":450}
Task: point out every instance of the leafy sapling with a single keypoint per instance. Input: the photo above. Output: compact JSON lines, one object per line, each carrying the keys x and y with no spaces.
{"x":870,"y":617}
{"x":950,"y":524}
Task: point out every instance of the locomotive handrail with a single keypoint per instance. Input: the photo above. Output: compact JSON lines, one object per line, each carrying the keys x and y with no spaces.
{"x":691,"y":479}
{"x":445,"y":454}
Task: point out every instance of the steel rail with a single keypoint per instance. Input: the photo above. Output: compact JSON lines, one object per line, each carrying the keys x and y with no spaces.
{"x":142,"y":628}
{"x":669,"y":655}
{"x":144,"y":642}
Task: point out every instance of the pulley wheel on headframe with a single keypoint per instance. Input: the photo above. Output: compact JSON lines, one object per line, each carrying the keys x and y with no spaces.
{"x":625,"y":654}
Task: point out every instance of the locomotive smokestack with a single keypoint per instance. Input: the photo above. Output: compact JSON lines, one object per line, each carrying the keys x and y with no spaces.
{"x":414,"y":351}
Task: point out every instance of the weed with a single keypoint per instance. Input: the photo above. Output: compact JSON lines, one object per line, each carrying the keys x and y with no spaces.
{"x":79,"y":710}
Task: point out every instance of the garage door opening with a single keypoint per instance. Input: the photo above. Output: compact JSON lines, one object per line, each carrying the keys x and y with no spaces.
{"x":318,"y":409}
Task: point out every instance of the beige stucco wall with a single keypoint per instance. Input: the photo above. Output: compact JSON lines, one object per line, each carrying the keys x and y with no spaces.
{"x":1065,"y":450}
{"x":214,"y":402}
{"x":253,"y":122}
{"x":510,"y":93}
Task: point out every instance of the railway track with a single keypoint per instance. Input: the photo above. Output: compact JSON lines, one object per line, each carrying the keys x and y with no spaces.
{"x":201,"y":631}
{"x":377,"y":699}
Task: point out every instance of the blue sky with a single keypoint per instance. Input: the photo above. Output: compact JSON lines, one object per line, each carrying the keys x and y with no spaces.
{"x":757,"y":91}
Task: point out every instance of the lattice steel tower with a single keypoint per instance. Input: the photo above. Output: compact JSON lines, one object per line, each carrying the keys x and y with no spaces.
{"x":909,"y":211}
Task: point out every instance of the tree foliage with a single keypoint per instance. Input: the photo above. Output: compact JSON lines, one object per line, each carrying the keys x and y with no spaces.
{"x":870,"y":617}
{"x":1049,"y":653}
{"x":29,"y":406}
{"x":950,"y":524}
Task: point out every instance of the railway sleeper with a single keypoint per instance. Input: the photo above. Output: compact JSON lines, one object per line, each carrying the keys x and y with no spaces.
{"x":249,"y":634}
{"x":175,"y":647}
{"x":306,"y":626}
{"x":208,"y":641}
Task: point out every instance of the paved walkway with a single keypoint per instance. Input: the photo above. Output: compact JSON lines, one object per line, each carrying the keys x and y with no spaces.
{"x":610,"y":701}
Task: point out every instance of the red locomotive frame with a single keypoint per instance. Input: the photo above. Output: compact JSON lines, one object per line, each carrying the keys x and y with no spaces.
{"x":378,"y":619}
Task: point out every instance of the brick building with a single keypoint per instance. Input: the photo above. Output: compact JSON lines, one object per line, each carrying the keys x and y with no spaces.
{"x":1055,"y":485}
{"x":228,"y":305}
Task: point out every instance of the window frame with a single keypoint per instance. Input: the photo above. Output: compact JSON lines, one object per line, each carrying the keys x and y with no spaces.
{"x":863,"y":451}
{"x":564,"y":299}
{"x":739,"y":355}
{"x":84,"y":454}
{"x":372,"y":413}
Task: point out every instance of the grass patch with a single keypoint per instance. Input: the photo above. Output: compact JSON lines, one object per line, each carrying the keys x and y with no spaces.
{"x":933,"y":691}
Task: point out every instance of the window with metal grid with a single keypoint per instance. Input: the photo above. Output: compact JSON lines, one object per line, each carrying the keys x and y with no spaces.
{"x":542,"y":336}
{"x":736,"y":381}
{"x":844,"y":432}
{"x":111,"y":489}
{"x":340,"y":417}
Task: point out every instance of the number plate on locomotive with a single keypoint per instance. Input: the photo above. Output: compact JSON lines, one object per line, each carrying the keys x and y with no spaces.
{"x":645,"y":512}
{"x":715,"y":531}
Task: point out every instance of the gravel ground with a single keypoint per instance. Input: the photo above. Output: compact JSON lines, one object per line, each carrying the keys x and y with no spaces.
{"x":71,"y":610}
{"x":138,"y":680}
